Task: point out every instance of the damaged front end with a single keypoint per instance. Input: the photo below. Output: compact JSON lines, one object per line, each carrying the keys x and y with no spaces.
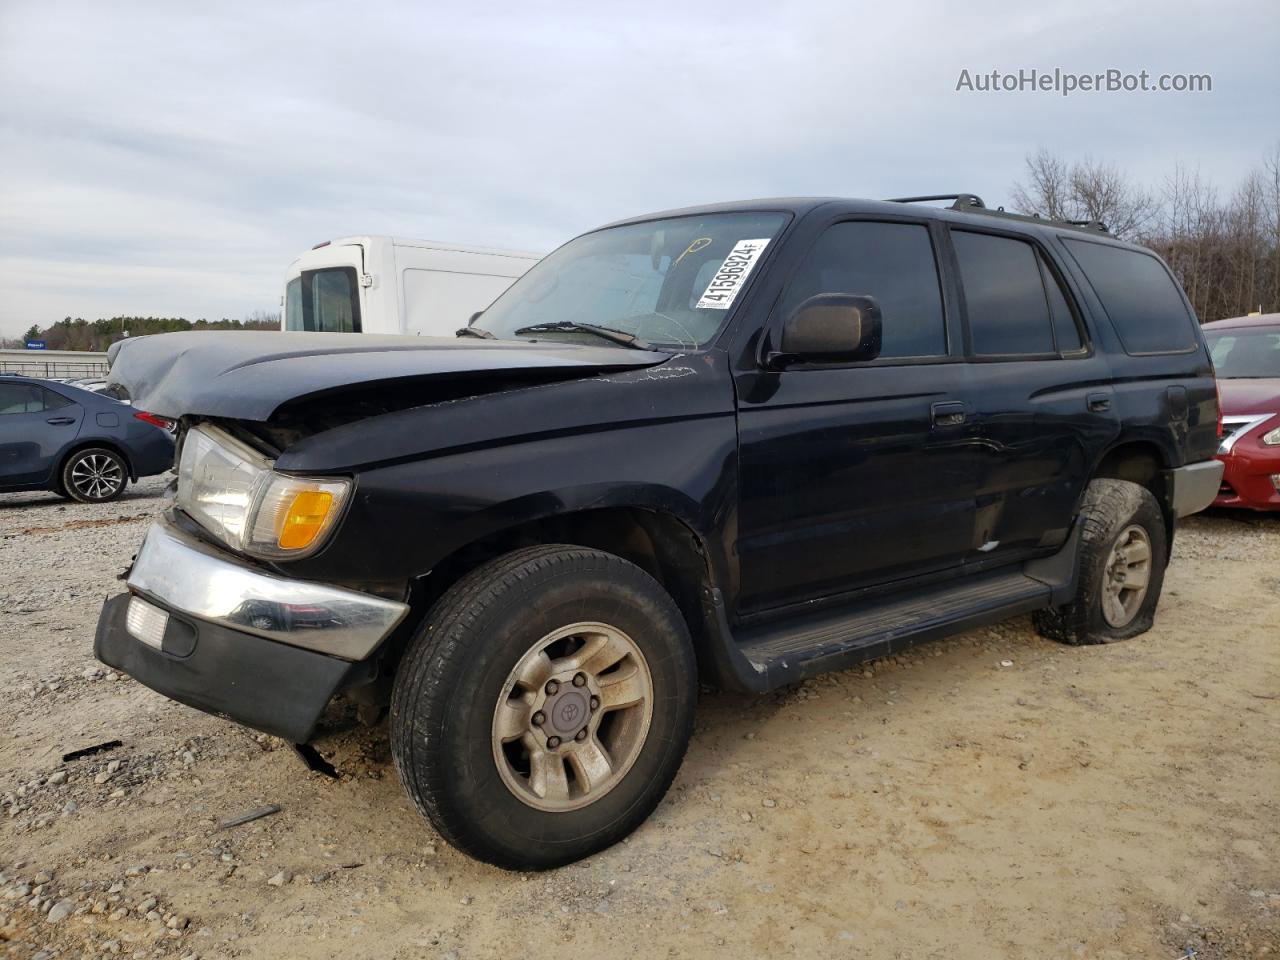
{"x":239,"y":601}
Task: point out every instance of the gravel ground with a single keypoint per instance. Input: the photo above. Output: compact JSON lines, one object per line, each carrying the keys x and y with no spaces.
{"x":995,"y":795}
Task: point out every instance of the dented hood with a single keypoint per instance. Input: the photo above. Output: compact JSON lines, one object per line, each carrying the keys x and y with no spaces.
{"x":246,"y":375}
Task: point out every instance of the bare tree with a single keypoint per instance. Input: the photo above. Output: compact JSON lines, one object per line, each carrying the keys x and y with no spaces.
{"x":1099,"y":191}
{"x":1084,"y":190}
{"x":1225,"y":253}
{"x":1048,"y":189}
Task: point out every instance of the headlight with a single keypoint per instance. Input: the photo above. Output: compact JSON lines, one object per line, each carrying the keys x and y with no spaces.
{"x":231,"y":490}
{"x":1272,"y":438}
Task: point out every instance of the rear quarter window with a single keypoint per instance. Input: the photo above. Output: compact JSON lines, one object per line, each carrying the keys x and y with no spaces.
{"x":1139,"y":295}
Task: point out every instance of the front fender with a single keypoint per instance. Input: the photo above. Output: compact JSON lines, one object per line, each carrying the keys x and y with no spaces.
{"x":405,"y":518}
{"x":435,"y":478}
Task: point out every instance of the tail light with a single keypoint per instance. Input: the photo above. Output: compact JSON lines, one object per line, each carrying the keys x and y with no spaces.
{"x":1218,"y":391}
{"x":169,"y":426}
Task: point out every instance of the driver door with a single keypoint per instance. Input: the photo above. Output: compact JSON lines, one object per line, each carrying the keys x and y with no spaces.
{"x":861,"y":474}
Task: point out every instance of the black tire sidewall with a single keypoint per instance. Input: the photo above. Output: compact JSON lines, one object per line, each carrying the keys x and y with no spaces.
{"x":501,"y":827}
{"x":68,"y":489}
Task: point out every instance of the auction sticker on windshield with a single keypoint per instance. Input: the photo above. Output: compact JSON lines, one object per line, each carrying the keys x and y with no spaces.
{"x":733,"y":273}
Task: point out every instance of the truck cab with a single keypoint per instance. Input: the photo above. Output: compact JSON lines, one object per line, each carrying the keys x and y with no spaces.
{"x":372,"y":284}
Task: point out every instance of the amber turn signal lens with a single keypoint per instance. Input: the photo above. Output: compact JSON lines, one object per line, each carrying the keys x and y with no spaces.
{"x":304,"y":519}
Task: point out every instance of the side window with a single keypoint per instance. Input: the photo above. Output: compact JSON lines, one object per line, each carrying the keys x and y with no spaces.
{"x":52,"y":401}
{"x":892,"y":262}
{"x":333,"y":301}
{"x":1004,"y":295}
{"x":323,"y":300}
{"x":20,"y":398}
{"x":293,"y":304}
{"x":1065,"y":329}
{"x":1139,"y":295}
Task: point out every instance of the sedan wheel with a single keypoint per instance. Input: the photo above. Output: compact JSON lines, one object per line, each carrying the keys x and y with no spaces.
{"x":94,"y":476}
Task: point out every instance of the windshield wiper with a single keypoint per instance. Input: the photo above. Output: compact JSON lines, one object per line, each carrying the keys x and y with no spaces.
{"x":605,"y":333}
{"x":475,"y":332}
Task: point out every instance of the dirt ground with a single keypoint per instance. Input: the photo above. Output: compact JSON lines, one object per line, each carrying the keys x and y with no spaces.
{"x":997,"y":795}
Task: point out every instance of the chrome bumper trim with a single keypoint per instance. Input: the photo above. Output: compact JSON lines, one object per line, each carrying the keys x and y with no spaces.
{"x":192,"y":577}
{"x":1195,"y":486}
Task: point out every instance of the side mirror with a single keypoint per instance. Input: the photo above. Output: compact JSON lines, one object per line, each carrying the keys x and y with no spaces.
{"x":831,"y":328}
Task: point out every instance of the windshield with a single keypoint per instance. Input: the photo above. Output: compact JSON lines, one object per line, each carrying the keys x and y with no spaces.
{"x":1245,"y":352}
{"x":669,"y":282}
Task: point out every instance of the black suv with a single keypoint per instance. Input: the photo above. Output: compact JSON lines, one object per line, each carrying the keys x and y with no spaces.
{"x":745,"y":443}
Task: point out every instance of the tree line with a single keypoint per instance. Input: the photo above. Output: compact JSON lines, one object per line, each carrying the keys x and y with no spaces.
{"x":97,"y":335}
{"x":1223,"y":246}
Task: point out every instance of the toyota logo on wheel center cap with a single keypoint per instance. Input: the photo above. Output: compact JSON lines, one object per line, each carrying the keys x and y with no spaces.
{"x":569,"y":713}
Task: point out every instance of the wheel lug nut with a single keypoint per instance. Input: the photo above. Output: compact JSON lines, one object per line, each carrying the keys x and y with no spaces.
{"x":595,"y":703}
{"x":539,"y":718}
{"x":552,"y":687}
{"x":553,"y":742}
{"x":582,"y":734}
{"x":579,"y":679}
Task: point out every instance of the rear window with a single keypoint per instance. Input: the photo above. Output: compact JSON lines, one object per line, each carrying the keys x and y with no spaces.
{"x":1139,"y":295}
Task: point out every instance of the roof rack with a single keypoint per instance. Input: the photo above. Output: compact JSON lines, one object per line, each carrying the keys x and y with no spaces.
{"x":972,"y":203}
{"x":963,"y":201}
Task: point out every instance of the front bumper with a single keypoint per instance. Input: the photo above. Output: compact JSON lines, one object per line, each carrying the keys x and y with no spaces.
{"x":268,"y":686}
{"x":234,"y":641}
{"x":205,"y":582}
{"x":1251,"y":479}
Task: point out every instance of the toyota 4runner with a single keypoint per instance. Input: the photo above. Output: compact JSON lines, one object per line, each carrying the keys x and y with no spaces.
{"x":743,"y":443}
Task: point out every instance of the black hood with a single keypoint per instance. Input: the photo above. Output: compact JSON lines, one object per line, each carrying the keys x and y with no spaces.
{"x":246,"y":375}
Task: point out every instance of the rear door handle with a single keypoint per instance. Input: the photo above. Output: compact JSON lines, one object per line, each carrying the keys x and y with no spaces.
{"x":948,"y":414}
{"x":1099,"y":403}
{"x":61,"y":421}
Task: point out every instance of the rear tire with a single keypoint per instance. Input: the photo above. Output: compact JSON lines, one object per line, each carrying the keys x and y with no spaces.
{"x":544,"y":706}
{"x":1123,"y":555}
{"x":94,"y":475}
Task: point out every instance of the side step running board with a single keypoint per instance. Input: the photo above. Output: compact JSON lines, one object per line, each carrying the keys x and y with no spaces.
{"x":762,"y":657}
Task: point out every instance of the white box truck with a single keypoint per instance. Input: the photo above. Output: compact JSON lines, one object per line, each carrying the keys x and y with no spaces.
{"x":389,"y":285}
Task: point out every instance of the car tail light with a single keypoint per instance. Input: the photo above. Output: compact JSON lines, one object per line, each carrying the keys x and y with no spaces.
{"x":164,"y":423}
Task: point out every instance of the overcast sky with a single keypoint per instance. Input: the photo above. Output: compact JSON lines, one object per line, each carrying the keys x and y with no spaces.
{"x":167,"y":160}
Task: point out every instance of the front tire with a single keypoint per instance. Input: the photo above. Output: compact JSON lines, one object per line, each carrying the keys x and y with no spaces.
{"x":544,"y":707}
{"x":94,"y":475}
{"x":1123,"y":554}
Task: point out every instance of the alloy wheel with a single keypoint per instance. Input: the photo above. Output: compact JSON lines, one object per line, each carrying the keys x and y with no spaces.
{"x":572,"y":717}
{"x":1126,"y":576}
{"x":97,"y":476}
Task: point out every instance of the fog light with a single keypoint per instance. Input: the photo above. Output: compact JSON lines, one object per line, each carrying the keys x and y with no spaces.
{"x":1275,"y":481}
{"x":145,"y":622}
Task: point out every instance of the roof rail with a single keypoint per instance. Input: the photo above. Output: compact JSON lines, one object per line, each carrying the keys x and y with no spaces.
{"x":1097,"y":225}
{"x":963,"y":201}
{"x":972,"y":203}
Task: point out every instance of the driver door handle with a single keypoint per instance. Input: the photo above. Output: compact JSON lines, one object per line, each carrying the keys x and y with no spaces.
{"x":948,"y":414}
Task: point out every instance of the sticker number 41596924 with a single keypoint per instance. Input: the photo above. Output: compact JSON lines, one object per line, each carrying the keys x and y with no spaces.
{"x":731,"y":276}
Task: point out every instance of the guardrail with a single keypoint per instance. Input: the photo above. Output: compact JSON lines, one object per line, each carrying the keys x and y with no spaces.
{"x":53,"y":364}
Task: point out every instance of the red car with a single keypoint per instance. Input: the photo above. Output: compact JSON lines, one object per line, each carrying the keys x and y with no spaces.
{"x":1246,"y":355}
